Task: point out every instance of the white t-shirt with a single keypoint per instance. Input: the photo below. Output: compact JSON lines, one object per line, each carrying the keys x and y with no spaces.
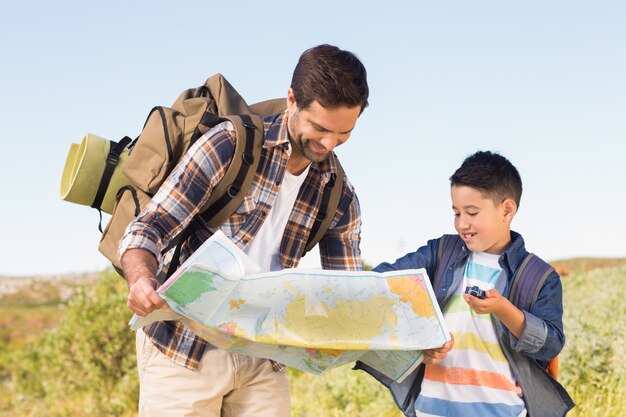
{"x":265,"y":247}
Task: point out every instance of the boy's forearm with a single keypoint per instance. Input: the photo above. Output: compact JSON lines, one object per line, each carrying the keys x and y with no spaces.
{"x":511,"y":317}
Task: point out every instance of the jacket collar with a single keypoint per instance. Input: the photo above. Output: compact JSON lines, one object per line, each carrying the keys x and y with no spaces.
{"x":513,"y":255}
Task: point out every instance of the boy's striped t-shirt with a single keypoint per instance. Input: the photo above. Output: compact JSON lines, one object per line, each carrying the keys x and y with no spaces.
{"x":475,"y":379}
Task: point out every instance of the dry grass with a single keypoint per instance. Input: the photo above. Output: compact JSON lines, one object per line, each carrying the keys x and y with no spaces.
{"x":592,"y":364}
{"x":567,"y":267}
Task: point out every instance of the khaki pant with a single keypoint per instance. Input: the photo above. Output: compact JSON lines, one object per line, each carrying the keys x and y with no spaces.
{"x":226,"y":384}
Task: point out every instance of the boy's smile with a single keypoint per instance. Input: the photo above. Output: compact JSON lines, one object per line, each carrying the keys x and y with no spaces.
{"x":467,"y":236}
{"x":483,"y":225}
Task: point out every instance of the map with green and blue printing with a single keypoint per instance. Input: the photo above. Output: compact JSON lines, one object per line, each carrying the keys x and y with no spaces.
{"x":312,"y":320}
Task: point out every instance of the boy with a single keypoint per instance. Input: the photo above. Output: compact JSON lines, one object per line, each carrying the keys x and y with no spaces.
{"x":495,"y":363}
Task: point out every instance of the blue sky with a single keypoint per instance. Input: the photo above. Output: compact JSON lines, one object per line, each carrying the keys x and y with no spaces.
{"x":541,"y":82}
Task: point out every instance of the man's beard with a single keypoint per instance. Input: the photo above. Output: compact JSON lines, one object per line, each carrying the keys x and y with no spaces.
{"x":303,"y":145}
{"x":306,"y":148}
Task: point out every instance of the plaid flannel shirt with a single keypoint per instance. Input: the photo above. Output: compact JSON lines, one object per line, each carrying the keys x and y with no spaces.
{"x":189,"y":186}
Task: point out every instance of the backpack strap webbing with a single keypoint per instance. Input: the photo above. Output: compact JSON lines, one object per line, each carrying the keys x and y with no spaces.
{"x":449,"y":249}
{"x":113,"y":157}
{"x":232,"y":188}
{"x":328,"y":206}
{"x":533,"y":273}
{"x":227,"y":195}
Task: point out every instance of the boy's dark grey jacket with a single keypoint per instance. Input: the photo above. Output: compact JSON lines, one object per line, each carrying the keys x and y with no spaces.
{"x":541,"y":340}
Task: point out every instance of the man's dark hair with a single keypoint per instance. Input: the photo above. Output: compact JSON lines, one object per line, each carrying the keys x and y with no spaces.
{"x":331,"y":76}
{"x":491,"y":174}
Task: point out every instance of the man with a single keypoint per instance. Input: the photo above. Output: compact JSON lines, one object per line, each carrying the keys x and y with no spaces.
{"x":179,"y":373}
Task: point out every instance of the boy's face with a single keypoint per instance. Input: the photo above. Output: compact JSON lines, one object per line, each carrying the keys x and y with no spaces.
{"x":483,"y":225}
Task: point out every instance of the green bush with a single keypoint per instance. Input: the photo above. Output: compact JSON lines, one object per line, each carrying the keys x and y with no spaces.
{"x":87,"y":365}
{"x":341,"y":392}
{"x":593,"y":363}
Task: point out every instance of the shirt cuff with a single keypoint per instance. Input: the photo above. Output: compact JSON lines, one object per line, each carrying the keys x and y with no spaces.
{"x":130,"y":241}
{"x":533,"y":336}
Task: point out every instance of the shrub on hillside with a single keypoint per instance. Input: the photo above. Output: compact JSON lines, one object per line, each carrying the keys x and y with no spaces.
{"x":87,"y":365}
{"x":593,"y":362}
{"x":340,"y":392}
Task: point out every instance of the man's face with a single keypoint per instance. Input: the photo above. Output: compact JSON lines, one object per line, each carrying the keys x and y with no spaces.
{"x":316,"y":131}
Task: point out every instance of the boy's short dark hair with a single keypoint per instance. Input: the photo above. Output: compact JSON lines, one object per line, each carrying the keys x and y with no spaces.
{"x":491,"y":174}
{"x":331,"y":76}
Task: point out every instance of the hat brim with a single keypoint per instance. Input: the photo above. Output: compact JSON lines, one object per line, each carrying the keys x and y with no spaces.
{"x":83,"y":171}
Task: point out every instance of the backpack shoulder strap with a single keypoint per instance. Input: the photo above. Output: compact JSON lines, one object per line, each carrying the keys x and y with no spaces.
{"x":528,"y":280}
{"x":449,"y":249}
{"x":533,"y":272}
{"x":230,"y":191}
{"x":330,"y":201}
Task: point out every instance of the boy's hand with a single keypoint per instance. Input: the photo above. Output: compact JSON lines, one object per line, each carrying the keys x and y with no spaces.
{"x":489,"y":305}
{"x":435,"y":356}
{"x":494,"y":303}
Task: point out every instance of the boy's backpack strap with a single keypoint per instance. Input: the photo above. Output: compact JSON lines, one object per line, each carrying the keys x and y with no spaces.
{"x":449,"y":249}
{"x":528,"y":280}
{"x":330,"y":201}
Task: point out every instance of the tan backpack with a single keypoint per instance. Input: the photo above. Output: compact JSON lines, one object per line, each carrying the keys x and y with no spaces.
{"x":135,"y":169}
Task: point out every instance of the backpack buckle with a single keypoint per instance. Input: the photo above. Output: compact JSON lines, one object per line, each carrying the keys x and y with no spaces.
{"x":321,"y":215}
{"x":233,"y":190}
{"x":248,"y":158}
{"x":112,"y":158}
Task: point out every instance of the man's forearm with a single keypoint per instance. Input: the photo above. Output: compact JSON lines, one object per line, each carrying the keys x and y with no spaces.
{"x":137,"y":263}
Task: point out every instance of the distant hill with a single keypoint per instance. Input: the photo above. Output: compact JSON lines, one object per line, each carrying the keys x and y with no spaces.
{"x":566,"y":267}
{"x":47,"y":289}
{"x":42,"y":289}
